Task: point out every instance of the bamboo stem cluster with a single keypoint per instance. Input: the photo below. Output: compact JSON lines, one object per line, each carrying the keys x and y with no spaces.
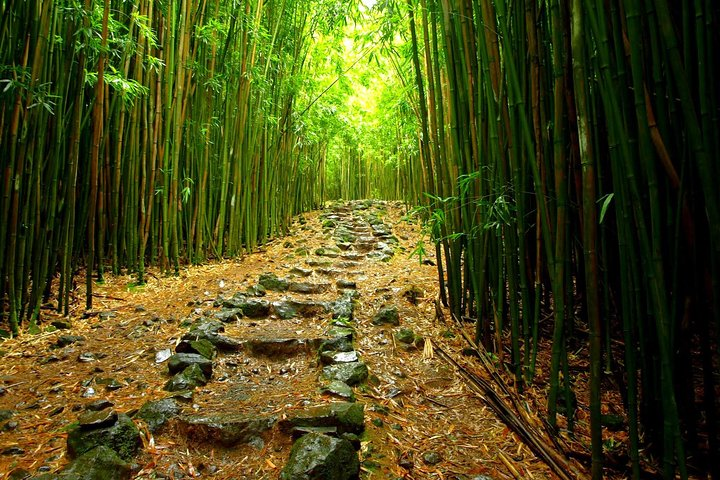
{"x":570,"y":154}
{"x":134,"y":132}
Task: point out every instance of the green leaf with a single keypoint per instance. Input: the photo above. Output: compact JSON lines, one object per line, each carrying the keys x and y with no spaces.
{"x":605,"y":199}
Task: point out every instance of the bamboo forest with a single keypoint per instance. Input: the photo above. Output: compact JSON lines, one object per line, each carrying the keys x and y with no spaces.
{"x":359,"y":239}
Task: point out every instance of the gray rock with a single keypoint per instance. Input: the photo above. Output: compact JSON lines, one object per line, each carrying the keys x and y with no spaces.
{"x":331,"y":358}
{"x":303,"y":308}
{"x":255,"y":308}
{"x":409,"y":338}
{"x":387,"y":316}
{"x":327,"y":252}
{"x":319,"y":457}
{"x":347,"y":264}
{"x":431,"y":458}
{"x":86,"y":357}
{"x":155,"y":414}
{"x":338,"y":389}
{"x":226,"y":430}
{"x":123,"y":437}
{"x":61,"y":324}
{"x":318,"y":263}
{"x":271,"y":282}
{"x":381,"y":256}
{"x":180,"y":361}
{"x":337,"y":344}
{"x":308,"y":288}
{"x":349,"y":284}
{"x":163,"y":355}
{"x":343,"y":307}
{"x":301,"y":272}
{"x":188,"y":379}
{"x":350,"y":373}
{"x":201,"y":347}
{"x":12,"y":451}
{"x":208,"y":325}
{"x":91,"y":420}
{"x":6,"y":415}
{"x":209,"y":331}
{"x":257,"y":291}
{"x":342,"y":417}
{"x":284,"y":310}
{"x":342,"y":332}
{"x":98,"y":405}
{"x":281,"y":348}
{"x":328,"y":272}
{"x":100,"y":463}
{"x":65,"y":340}
{"x":228,"y":315}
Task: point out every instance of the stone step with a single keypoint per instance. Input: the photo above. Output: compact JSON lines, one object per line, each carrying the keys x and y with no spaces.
{"x":308,"y":288}
{"x":282,"y":348}
{"x":226,"y":430}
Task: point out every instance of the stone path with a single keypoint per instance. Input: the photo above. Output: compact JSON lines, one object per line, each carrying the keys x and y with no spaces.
{"x":307,"y":356}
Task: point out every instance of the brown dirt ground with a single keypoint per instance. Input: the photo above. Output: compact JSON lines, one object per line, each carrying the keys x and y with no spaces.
{"x":414,"y":401}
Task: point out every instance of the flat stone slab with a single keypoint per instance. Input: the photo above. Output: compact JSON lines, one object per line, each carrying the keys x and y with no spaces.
{"x":346,"y":417}
{"x":222,"y":342}
{"x":157,"y":413}
{"x":347,"y":264}
{"x":332,"y":358}
{"x":349,"y":373}
{"x":282,"y":348}
{"x":291,"y":308}
{"x":180,"y":361}
{"x":301,"y":272}
{"x":308,"y":288}
{"x":226,"y":430}
{"x":338,"y":389}
{"x":270,"y":281}
{"x":190,"y":378}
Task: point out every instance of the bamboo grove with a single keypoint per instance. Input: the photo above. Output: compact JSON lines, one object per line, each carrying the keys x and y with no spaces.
{"x":564,"y":152}
{"x":160,"y":131}
{"x":572,"y":149}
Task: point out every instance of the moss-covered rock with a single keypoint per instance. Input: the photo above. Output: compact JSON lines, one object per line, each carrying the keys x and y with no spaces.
{"x":387,"y":316}
{"x":342,"y":417}
{"x":100,"y":463}
{"x":180,"y":361}
{"x":123,"y":437}
{"x":156,"y":414}
{"x":190,"y":378}
{"x":271,"y":282}
{"x":350,"y":373}
{"x":319,"y":457}
{"x":202,"y":347}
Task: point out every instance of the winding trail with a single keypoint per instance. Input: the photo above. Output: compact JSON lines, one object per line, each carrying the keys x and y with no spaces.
{"x":320,"y":288}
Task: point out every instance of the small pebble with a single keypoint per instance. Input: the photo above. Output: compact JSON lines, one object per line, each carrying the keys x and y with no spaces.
{"x":432,"y":458}
{"x":86,"y":357}
{"x":14,"y":450}
{"x":11,"y":425}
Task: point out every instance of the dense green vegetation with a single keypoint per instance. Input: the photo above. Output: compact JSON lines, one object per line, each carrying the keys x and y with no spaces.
{"x":563,"y":154}
{"x":572,"y":146}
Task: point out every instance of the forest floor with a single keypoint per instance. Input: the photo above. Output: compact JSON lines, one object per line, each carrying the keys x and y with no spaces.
{"x":421,"y":419}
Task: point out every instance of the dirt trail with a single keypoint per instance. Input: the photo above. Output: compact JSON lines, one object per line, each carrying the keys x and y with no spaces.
{"x":335,"y":271}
